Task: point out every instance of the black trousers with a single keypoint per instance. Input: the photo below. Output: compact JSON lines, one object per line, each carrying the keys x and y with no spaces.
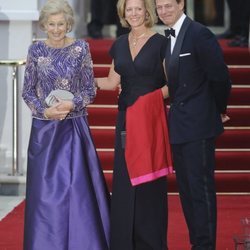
{"x":194,"y":163}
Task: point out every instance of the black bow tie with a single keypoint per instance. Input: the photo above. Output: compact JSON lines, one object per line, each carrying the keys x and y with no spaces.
{"x":169,"y":32}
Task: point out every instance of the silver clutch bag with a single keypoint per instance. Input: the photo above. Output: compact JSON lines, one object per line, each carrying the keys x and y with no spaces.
{"x":53,"y":96}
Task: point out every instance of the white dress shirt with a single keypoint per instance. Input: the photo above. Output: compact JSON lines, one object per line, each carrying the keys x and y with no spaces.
{"x":176,"y":27}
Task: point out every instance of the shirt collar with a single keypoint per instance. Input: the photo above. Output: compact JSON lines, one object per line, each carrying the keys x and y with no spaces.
{"x":178,"y":24}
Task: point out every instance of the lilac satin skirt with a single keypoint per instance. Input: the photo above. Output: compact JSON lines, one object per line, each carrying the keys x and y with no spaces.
{"x":67,"y":202}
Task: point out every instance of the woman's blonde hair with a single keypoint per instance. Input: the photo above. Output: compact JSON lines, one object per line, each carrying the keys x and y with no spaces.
{"x":151,"y":17}
{"x":53,"y":7}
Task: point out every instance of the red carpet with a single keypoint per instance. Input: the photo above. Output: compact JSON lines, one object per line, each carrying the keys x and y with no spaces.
{"x":230,"y":210}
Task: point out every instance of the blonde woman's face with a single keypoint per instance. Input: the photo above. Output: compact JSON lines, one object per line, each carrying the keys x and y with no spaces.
{"x":56,"y":27}
{"x":135,"y":12}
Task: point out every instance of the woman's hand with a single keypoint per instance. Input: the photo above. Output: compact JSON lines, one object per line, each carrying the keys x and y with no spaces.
{"x":108,"y":83}
{"x":59,"y":110}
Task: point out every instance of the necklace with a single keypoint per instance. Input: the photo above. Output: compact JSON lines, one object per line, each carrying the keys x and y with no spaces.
{"x":135,"y":39}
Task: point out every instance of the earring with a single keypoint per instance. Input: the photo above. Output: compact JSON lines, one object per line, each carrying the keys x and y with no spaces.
{"x":68,"y":29}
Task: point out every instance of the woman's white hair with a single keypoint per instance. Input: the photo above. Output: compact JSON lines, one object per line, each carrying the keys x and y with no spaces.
{"x":53,"y":7}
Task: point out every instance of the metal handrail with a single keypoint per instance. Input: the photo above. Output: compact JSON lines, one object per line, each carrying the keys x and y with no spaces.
{"x":12,"y":62}
{"x":15,"y":155}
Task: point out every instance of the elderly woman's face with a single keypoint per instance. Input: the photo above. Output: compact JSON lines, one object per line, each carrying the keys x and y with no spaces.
{"x":56,"y":27}
{"x":135,"y":12}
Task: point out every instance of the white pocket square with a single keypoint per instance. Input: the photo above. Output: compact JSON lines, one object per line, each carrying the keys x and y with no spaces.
{"x":185,"y":54}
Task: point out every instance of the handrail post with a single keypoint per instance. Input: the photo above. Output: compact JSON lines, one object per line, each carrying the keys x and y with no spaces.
{"x":15,"y":117}
{"x":15,"y":135}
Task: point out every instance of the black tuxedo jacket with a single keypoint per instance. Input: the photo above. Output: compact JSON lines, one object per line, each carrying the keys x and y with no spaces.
{"x":199,"y":84}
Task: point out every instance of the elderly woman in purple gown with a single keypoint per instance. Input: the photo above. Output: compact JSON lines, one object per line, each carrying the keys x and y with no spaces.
{"x":67,"y":202}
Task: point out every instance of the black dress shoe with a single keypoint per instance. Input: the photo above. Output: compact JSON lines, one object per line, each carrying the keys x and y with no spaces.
{"x":240,"y":41}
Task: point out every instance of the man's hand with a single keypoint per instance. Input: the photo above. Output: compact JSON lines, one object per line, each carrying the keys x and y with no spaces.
{"x":224,"y":118}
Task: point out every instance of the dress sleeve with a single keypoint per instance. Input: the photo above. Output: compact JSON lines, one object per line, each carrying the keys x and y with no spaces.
{"x":29,"y":92}
{"x":86,"y":92}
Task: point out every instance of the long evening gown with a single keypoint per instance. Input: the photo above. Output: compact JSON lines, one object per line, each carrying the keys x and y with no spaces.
{"x":67,"y":202}
{"x":138,"y":214}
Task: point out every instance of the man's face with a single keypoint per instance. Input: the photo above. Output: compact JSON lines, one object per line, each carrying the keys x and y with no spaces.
{"x":169,"y":11}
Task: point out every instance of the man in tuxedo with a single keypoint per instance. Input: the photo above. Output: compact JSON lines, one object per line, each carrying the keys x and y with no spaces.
{"x":199,"y":86}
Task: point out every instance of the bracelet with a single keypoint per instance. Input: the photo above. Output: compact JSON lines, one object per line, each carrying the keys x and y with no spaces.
{"x":45,"y":116}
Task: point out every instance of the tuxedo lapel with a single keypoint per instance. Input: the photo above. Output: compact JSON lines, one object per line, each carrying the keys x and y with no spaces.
{"x":173,"y":60}
{"x":168,"y":55}
{"x":180,"y":38}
